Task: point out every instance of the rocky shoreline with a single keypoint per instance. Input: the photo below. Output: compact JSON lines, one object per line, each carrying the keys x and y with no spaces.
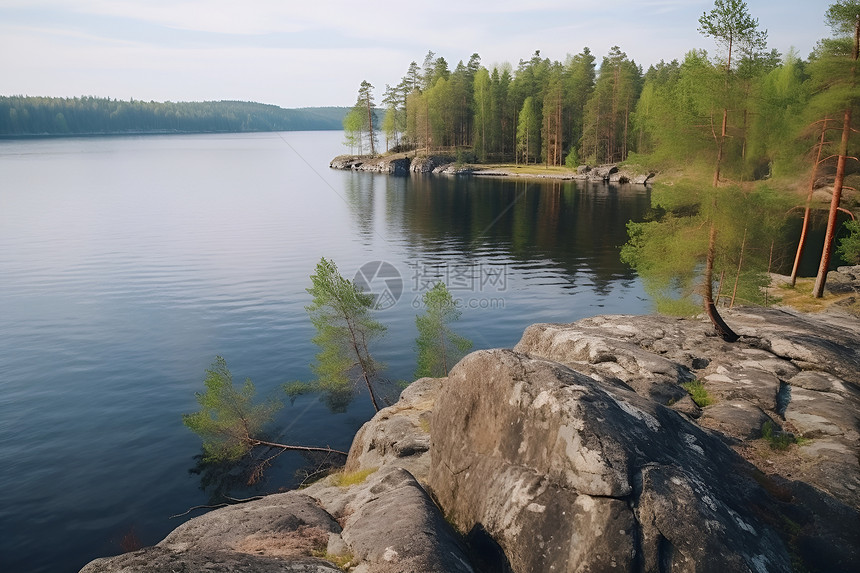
{"x":581,"y":449}
{"x":404,"y":164}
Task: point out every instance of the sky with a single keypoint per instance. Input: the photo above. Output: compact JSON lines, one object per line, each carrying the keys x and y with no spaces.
{"x":317,"y":52}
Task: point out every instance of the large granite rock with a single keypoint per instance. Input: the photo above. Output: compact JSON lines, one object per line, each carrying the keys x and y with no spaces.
{"x":569,"y":474}
{"x":794,"y":369}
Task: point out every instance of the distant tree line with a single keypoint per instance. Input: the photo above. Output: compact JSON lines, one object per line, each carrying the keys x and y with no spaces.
{"x":20,"y":115}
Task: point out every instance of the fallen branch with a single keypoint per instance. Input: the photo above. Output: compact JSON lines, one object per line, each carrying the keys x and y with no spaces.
{"x":216,"y":506}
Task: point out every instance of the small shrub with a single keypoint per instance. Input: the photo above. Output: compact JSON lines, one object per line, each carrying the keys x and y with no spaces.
{"x":779,"y":440}
{"x":698,"y":393}
{"x":572,"y":159}
{"x":466,"y":156}
{"x":347,"y":479}
{"x":849,"y":245}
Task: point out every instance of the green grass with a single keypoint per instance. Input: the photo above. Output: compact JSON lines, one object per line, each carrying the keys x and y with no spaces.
{"x":779,"y":440}
{"x":347,"y":479}
{"x":698,"y":393}
{"x":340,"y":561}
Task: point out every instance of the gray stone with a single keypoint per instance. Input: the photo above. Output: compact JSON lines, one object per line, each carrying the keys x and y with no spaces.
{"x":277,"y":533}
{"x":579,"y":452}
{"x":399,"y":434}
{"x":396,"y":527}
{"x":738,"y":419}
{"x":552,"y":457}
{"x":160,"y":560}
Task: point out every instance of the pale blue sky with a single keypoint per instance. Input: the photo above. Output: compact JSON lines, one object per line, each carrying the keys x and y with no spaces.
{"x":309,"y":53}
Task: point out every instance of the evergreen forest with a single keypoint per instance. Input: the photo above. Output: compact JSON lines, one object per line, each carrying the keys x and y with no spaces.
{"x":22,"y":116}
{"x":758,"y":109}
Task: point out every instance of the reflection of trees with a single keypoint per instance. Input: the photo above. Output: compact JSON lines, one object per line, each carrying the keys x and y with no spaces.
{"x":580,"y":228}
{"x":359,"y":194}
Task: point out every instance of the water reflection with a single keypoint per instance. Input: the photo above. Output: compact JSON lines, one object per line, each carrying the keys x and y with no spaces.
{"x":535,"y":224}
{"x":359,"y":194}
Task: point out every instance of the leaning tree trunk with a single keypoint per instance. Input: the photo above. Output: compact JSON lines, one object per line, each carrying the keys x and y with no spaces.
{"x":821,"y":279}
{"x":805,"y":228}
{"x":818,"y":290}
{"x":720,"y":325}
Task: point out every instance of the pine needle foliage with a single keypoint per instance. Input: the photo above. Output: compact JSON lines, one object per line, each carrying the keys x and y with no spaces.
{"x":849,"y":245}
{"x":669,"y":250}
{"x":229,"y":422}
{"x":439,"y":347}
{"x":341,"y":313}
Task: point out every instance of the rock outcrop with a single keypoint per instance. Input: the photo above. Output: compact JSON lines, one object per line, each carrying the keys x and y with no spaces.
{"x":397,"y":164}
{"x":580,"y":450}
{"x":405,"y":163}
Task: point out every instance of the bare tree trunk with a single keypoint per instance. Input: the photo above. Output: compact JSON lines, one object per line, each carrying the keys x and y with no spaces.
{"x":626,"y":122}
{"x":738,"y":275}
{"x":370,"y":124}
{"x":254,"y":442}
{"x":720,"y":144}
{"x":805,"y":227}
{"x":821,"y":279}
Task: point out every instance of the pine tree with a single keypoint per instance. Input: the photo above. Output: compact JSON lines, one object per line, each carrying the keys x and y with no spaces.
{"x":844,"y":17}
{"x":229,"y":422}
{"x":366,"y":104}
{"x":438,"y":346}
{"x":341,"y":314}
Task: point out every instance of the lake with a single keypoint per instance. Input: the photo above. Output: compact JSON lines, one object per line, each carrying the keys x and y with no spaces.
{"x":128,"y":263}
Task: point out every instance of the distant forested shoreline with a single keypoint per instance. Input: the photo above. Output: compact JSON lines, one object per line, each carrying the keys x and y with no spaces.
{"x":24,"y":116}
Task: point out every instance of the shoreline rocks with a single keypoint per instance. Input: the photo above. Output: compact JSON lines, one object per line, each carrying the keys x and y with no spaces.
{"x":405,"y":163}
{"x":580,"y":450}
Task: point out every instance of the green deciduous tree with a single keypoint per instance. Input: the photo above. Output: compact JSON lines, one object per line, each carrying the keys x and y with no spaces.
{"x":528,"y":132}
{"x":353,"y":126}
{"x":439,"y":347}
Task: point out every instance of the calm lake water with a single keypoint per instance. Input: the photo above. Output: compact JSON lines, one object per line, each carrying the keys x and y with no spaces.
{"x":128,"y":263}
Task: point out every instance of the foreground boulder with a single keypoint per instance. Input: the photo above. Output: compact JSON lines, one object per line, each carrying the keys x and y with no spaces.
{"x":553,"y":457}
